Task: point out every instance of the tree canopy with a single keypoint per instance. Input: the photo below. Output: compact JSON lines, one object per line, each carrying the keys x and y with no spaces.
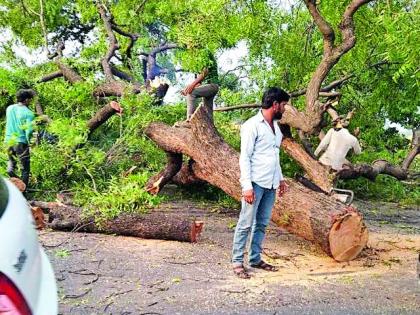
{"x":91,"y":44}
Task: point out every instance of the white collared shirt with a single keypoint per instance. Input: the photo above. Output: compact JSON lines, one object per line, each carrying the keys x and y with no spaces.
{"x":260,"y":148}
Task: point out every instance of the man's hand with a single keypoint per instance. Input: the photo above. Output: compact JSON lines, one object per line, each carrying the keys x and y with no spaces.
{"x":188,"y":89}
{"x":249,"y":196}
{"x":283,"y":188}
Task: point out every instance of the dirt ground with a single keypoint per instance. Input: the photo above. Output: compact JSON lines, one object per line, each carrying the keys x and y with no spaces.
{"x":106,"y":274}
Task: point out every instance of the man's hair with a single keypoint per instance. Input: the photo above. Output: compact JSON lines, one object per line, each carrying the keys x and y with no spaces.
{"x":273,"y":94}
{"x":25,"y":94}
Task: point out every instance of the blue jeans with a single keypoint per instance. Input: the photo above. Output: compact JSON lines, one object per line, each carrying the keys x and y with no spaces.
{"x":253,"y":218}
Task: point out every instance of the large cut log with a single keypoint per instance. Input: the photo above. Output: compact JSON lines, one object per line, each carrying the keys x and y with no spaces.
{"x":337,"y":228}
{"x":157,"y":224}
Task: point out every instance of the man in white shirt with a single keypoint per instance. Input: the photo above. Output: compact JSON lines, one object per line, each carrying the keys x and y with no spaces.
{"x":337,"y":143}
{"x":260,"y":177}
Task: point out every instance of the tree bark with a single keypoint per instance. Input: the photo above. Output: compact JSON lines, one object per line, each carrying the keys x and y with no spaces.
{"x":317,"y":172}
{"x":173,"y":166}
{"x":164,"y":224}
{"x":415,"y":150}
{"x":68,"y":73}
{"x":301,"y":211}
{"x":115,"y":88}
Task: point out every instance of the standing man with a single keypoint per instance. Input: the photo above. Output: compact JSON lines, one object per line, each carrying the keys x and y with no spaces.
{"x":260,"y":177}
{"x":206,"y":85}
{"x":19,"y":129}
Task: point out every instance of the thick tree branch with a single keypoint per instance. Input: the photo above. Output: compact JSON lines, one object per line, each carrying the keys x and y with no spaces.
{"x":331,"y":56}
{"x":174,"y":164}
{"x":372,"y":171}
{"x":121,"y":74}
{"x":51,"y":76}
{"x":257,"y":105}
{"x":133,"y":38}
{"x":113,"y":43}
{"x":68,"y":73}
{"x":325,"y":28}
{"x":149,"y":60}
{"x":347,"y":27}
{"x":415,"y":150}
{"x":102,"y":115}
{"x":163,"y":48}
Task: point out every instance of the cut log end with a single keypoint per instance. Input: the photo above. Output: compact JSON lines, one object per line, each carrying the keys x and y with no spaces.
{"x":154,"y":187}
{"x":18,"y":183}
{"x":348,"y":237}
{"x":196,"y":228}
{"x":39,"y":217}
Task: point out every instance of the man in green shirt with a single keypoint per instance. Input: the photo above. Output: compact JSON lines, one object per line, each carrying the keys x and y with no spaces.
{"x":19,"y":130}
{"x":206,"y":85}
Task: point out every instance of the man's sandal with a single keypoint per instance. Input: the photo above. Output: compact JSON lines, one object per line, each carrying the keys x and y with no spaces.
{"x":267,"y":267}
{"x":241,"y":272}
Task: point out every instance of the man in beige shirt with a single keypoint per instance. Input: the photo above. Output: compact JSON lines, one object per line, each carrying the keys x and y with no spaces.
{"x":336,"y":144}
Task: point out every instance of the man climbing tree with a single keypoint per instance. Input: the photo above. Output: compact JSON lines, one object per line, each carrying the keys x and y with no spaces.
{"x":205,"y":86}
{"x":19,"y":129}
{"x":336,"y":144}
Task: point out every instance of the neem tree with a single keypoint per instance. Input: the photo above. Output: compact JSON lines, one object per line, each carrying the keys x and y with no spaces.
{"x":115,"y":46}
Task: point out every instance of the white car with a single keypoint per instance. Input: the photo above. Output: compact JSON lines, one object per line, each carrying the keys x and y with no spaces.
{"x":27,"y":282}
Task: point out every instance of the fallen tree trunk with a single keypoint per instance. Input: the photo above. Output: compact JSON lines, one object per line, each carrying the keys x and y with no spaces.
{"x":337,"y":228}
{"x":159,"y":224}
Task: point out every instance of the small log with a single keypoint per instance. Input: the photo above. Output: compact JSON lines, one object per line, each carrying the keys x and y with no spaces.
{"x":157,"y":224}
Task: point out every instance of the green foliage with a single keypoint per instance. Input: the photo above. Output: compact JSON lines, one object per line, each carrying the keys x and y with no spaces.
{"x":122,"y":194}
{"x":284,"y":47}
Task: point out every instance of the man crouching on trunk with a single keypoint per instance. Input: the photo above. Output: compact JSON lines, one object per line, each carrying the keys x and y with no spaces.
{"x":260,"y":177}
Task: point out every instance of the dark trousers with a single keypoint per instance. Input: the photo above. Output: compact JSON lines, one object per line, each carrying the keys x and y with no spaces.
{"x":19,"y":151}
{"x":207,"y":92}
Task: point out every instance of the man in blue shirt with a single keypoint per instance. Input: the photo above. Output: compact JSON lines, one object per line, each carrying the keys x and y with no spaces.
{"x":19,"y":130}
{"x":261,"y":175}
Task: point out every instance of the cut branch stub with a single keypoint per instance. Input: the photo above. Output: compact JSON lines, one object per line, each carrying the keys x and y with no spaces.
{"x":301,"y":211}
{"x":102,"y":115}
{"x":172,"y":167}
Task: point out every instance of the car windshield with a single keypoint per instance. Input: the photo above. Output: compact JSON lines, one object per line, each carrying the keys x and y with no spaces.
{"x":4,"y":196}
